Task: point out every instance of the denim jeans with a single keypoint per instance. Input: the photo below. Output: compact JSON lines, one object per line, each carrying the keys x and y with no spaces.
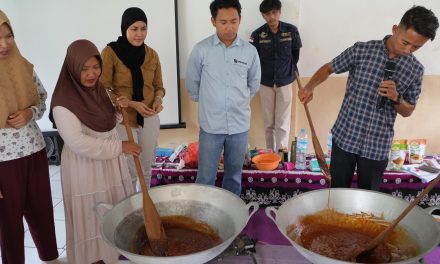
{"x":210,"y":149}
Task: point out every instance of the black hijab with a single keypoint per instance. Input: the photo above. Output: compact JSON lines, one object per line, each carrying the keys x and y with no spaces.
{"x":132,"y":57}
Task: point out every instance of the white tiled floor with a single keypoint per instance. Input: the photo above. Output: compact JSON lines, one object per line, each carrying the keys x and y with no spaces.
{"x":31,"y":253}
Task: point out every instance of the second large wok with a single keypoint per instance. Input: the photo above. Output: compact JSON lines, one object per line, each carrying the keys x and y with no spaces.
{"x":420,"y":225}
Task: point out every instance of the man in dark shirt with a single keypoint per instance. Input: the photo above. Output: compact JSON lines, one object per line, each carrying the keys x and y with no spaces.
{"x":278,"y":45}
{"x":364,"y":127}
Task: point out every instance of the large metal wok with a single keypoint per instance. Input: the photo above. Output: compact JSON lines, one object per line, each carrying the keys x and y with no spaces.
{"x":221,"y":209}
{"x":419,"y":223}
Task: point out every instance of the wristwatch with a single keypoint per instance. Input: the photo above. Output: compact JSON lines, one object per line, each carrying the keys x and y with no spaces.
{"x":398,"y":101}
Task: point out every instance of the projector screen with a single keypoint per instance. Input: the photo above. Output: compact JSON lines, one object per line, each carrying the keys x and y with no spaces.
{"x":44,"y":28}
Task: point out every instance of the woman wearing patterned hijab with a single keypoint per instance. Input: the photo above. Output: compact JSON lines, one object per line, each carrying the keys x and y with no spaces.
{"x":133,"y":69}
{"x":93,"y":169}
{"x":24,"y":172}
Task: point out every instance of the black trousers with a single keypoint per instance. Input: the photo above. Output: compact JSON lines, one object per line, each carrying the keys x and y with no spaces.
{"x":343,"y":165}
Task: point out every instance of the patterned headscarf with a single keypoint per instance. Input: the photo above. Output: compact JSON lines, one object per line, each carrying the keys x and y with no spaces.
{"x":17,"y":87}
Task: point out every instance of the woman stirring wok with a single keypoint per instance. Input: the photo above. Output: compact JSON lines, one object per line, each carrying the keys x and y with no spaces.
{"x":93,"y":169}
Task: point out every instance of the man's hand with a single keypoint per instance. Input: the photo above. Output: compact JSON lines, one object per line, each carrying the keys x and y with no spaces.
{"x":305,"y":95}
{"x":20,"y":118}
{"x":388,"y":89}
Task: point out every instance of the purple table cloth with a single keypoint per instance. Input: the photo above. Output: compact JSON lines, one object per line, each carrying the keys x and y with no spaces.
{"x":273,"y":188}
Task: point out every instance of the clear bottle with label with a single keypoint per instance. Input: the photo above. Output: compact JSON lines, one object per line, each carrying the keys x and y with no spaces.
{"x":301,"y":150}
{"x":329,"y":145}
{"x":293,"y":151}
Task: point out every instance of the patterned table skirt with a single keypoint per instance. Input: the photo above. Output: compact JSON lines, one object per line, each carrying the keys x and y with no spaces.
{"x":273,"y":188}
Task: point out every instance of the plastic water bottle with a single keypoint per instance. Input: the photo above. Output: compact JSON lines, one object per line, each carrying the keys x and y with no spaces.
{"x":301,"y":150}
{"x":293,"y":151}
{"x":329,"y":145}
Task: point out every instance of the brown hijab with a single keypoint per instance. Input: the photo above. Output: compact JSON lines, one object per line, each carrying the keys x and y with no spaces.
{"x":92,"y":106}
{"x":17,"y":87}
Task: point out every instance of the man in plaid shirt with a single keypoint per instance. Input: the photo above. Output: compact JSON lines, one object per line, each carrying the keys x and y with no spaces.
{"x":364,"y":129}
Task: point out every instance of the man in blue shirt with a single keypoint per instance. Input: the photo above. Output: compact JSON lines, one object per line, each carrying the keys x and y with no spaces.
{"x":223,"y":74}
{"x":364,"y":128}
{"x":278,"y":45}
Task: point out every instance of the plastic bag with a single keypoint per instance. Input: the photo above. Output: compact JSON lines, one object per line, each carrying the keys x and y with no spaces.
{"x":191,"y":156}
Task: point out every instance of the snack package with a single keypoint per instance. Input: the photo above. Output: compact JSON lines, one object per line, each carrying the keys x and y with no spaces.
{"x":417,"y":148}
{"x":398,"y":151}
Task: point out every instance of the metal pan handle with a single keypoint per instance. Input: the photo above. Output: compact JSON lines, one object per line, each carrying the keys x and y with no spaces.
{"x":271,"y":212}
{"x":100,"y":213}
{"x":430,"y":210}
{"x":252,"y":208}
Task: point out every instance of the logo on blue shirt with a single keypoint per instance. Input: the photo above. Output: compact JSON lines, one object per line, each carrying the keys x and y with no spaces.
{"x":240,"y":62}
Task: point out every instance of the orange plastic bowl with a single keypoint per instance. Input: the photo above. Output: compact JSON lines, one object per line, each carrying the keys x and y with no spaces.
{"x":266,"y":161}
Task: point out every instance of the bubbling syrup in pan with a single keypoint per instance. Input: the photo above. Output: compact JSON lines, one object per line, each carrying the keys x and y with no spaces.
{"x":337,"y":235}
{"x":185,"y":236}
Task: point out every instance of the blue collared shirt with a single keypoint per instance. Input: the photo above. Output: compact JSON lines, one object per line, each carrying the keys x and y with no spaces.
{"x":361,"y":128}
{"x":223,"y":80}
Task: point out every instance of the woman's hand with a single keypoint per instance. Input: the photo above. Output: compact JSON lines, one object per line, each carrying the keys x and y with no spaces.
{"x":131,"y":148}
{"x":157,"y":104}
{"x":142,"y":108}
{"x":122,"y":101}
{"x":20,"y":118}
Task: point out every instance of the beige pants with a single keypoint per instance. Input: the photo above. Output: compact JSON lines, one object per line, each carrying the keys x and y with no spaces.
{"x":276,"y":104}
{"x":146,"y":137}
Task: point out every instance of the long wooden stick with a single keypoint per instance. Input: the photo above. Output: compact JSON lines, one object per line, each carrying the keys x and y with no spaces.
{"x":316,"y":145}
{"x":367,"y":250}
{"x":153,"y":224}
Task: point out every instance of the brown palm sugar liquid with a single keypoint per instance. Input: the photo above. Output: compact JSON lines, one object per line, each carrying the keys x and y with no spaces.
{"x":185,"y":236}
{"x":337,"y":235}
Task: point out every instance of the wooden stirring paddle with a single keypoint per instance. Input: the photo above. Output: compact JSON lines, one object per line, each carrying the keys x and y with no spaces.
{"x":316,"y":145}
{"x":364,"y":254}
{"x":153,"y":224}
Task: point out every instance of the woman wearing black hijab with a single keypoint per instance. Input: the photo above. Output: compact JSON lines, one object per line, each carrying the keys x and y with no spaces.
{"x":133,"y":69}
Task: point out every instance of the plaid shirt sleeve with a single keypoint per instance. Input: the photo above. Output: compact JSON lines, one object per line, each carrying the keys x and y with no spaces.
{"x":411,"y":95}
{"x":345,"y":61}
